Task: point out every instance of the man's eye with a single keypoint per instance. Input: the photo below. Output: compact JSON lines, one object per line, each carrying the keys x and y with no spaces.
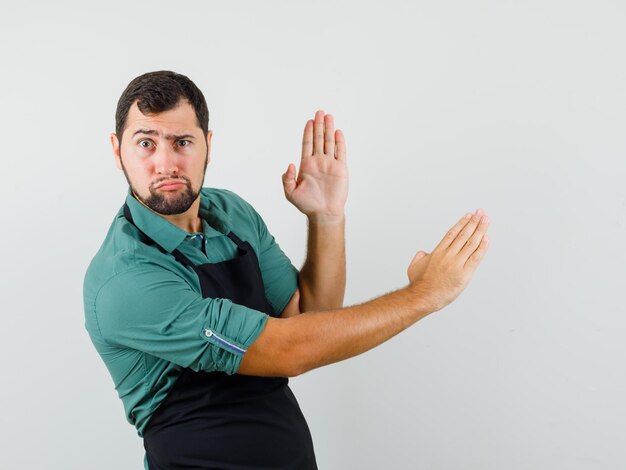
{"x":145,"y":143}
{"x":184,"y":143}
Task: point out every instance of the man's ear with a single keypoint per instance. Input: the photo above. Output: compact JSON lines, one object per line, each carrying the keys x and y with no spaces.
{"x":209,"y":135}
{"x":115,"y":144}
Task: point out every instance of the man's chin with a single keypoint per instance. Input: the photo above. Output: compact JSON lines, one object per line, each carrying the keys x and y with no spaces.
{"x":169,"y":209}
{"x":171,"y":202}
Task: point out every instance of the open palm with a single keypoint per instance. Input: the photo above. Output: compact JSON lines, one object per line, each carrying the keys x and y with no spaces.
{"x":320,"y":189}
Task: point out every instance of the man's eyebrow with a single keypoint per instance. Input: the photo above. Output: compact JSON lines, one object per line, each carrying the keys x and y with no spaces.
{"x":167,"y":136}
{"x":144,"y":131}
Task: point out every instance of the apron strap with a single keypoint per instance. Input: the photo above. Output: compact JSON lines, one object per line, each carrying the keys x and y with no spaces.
{"x":236,"y":239}
{"x":144,"y":238}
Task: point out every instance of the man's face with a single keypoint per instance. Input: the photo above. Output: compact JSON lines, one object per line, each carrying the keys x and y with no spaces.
{"x":164,"y":157}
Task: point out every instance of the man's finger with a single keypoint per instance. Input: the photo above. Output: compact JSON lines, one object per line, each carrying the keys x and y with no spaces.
{"x":418,"y":256}
{"x":318,"y":133}
{"x":329,"y":136}
{"x":466,"y":232}
{"x":474,"y":260}
{"x":340,"y":146}
{"x":289,"y":179}
{"x":449,"y":237}
{"x":474,"y":241}
{"x":307,"y":139}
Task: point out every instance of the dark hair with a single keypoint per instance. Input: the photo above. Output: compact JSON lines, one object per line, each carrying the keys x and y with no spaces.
{"x":160,"y":91}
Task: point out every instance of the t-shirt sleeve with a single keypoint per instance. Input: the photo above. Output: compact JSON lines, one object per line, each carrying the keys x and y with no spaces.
{"x":155,"y":311}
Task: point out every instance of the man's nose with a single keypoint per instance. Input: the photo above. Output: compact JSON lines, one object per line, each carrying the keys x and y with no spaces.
{"x":165,"y":160}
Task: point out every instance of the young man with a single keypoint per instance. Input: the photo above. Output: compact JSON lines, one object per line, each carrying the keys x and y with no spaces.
{"x":196,"y":311}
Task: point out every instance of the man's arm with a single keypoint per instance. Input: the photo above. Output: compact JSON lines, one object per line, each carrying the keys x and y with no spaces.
{"x":298,"y":344}
{"x":322,"y":279}
{"x":155,"y":310}
{"x":320,"y":192}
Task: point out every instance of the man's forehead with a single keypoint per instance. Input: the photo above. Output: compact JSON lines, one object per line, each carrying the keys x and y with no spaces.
{"x":179,"y":120}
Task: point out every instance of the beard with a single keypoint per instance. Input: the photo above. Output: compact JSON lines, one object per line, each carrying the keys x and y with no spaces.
{"x":168,"y":202}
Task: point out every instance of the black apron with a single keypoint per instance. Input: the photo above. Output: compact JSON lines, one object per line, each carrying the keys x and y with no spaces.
{"x":212,"y":420}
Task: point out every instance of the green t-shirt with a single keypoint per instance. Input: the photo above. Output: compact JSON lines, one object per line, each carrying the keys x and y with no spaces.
{"x":144,"y":310}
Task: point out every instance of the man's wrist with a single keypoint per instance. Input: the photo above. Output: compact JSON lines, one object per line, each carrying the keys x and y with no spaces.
{"x":420,"y":300}
{"x":326,"y":219}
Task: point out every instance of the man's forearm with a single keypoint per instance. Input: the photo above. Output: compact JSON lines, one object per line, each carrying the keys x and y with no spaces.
{"x":338,"y":335}
{"x":322,"y":279}
{"x":304,"y":342}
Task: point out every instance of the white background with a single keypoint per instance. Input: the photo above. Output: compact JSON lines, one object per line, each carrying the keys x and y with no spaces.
{"x":515,"y":106}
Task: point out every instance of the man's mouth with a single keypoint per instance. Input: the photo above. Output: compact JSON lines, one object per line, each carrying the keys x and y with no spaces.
{"x":170,"y":184}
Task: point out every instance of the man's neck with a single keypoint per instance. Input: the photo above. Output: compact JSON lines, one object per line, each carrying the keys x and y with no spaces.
{"x":189,"y":221}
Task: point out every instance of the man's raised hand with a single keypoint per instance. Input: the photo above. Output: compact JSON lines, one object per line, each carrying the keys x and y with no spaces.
{"x":320,"y":188}
{"x":440,"y":276}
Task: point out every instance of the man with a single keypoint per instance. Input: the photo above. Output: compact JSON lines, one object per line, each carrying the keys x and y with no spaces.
{"x":198,"y":314}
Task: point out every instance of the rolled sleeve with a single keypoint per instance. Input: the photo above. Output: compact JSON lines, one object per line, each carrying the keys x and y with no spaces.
{"x":155,"y":311}
{"x":231,"y":329}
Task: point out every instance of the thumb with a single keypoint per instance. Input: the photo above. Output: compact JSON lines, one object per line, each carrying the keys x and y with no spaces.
{"x":418,"y":256}
{"x":289,"y":179}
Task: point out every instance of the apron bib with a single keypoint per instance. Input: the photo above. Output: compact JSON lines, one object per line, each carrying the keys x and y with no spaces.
{"x":212,"y":420}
